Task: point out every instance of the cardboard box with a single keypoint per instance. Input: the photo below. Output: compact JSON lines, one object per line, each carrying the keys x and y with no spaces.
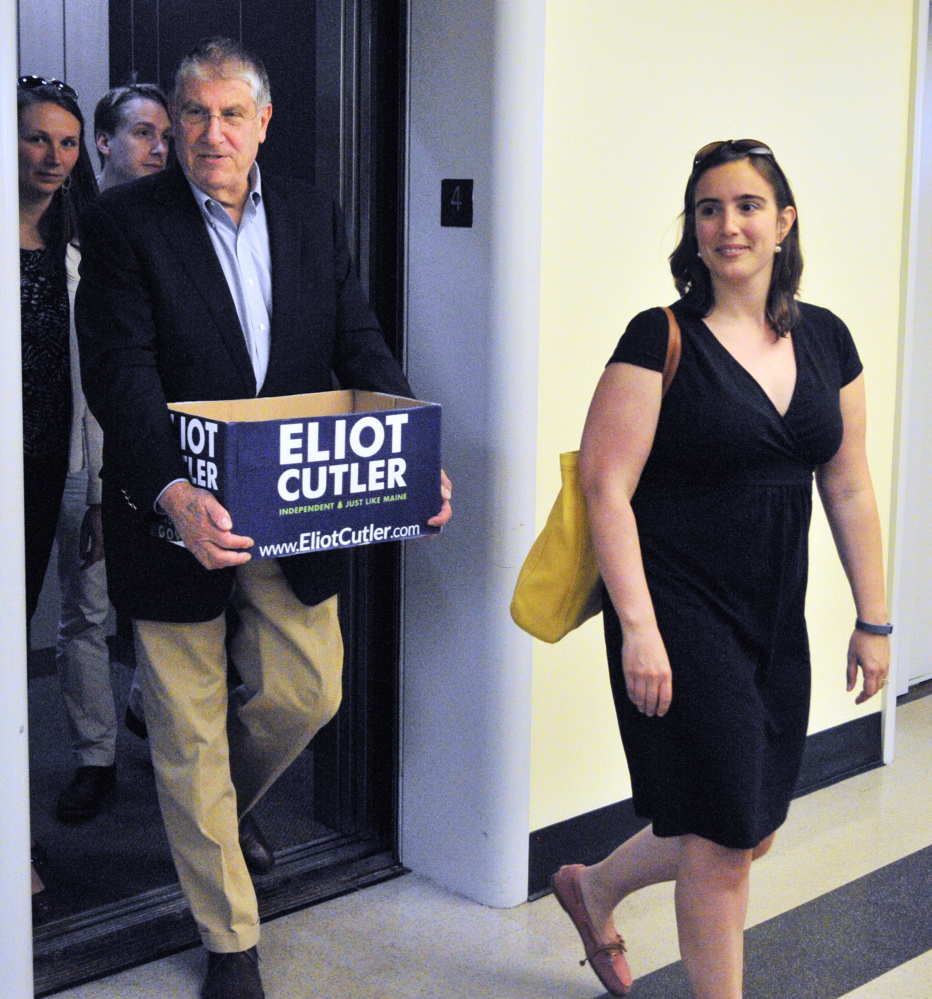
{"x":306,"y":473}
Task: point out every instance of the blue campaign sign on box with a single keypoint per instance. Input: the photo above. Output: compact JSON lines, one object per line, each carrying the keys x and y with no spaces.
{"x":306,"y":473}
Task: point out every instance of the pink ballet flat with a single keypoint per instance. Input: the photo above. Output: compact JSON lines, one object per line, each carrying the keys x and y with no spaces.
{"x":608,"y":961}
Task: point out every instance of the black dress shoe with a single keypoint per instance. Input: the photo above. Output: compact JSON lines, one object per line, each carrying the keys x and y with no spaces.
{"x":39,"y":869}
{"x":41,"y":906}
{"x":233,"y":976}
{"x":256,"y":851}
{"x":83,"y":798}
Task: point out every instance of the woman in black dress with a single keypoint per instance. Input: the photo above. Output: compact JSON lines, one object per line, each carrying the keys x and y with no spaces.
{"x":700,"y":513}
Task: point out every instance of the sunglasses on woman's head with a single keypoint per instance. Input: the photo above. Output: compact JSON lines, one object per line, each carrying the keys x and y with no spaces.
{"x":738,"y":145}
{"x":35,"y":82}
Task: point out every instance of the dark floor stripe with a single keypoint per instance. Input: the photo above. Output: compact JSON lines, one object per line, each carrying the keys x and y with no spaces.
{"x":833,"y":944}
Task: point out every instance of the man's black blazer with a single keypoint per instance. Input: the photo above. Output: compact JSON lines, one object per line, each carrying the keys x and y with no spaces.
{"x":156,"y":323}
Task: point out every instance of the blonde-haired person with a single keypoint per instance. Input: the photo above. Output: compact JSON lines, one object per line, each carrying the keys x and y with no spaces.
{"x":132,"y":132}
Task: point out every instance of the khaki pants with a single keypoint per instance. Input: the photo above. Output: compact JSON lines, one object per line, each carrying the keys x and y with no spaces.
{"x":213,"y":763}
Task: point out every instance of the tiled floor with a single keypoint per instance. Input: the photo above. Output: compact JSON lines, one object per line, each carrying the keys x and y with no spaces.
{"x":409,"y":939}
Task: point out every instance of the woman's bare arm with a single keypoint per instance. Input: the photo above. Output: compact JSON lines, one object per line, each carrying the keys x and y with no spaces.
{"x":847,"y":494}
{"x":616,"y":442}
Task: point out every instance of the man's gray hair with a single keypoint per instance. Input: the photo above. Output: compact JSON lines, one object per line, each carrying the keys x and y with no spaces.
{"x":225,"y":59}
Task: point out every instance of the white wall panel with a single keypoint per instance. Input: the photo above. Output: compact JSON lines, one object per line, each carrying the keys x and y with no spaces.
{"x":15,"y":910}
{"x":42,"y":38}
{"x":87,"y":54}
{"x":913,"y":592}
{"x":476,"y":91}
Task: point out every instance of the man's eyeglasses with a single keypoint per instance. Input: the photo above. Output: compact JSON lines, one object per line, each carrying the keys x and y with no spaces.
{"x":738,"y":145}
{"x":230,"y":119}
{"x":35,"y":82}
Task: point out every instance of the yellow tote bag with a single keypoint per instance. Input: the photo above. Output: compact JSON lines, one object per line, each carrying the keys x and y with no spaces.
{"x":558,"y":588}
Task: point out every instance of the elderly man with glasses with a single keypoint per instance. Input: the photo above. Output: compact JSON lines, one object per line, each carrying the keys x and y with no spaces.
{"x":211,"y":281}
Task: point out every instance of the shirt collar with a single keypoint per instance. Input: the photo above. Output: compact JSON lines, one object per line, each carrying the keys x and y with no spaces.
{"x":206,"y":202}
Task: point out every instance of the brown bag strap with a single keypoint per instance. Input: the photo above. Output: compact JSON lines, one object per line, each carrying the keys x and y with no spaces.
{"x":674,"y":349}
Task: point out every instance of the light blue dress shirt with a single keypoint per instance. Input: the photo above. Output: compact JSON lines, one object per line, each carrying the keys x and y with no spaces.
{"x":244,"y":255}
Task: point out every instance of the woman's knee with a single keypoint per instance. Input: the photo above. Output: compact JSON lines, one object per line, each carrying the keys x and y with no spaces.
{"x":763,"y":847}
{"x":701,"y":860}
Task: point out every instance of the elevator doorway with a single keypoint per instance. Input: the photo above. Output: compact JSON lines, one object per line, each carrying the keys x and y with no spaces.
{"x":336,"y":71}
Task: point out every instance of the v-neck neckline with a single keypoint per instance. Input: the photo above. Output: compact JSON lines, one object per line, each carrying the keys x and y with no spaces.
{"x":755,"y":382}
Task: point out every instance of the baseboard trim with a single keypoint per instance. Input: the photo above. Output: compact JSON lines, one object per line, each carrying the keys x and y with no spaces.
{"x":830,"y":756}
{"x":841,"y":752}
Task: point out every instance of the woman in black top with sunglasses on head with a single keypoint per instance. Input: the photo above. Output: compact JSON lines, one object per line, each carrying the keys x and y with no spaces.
{"x":56,"y":181}
{"x":700,"y":510}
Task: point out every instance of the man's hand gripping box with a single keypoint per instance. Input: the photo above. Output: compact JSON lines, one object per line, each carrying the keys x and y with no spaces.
{"x":307,"y":473}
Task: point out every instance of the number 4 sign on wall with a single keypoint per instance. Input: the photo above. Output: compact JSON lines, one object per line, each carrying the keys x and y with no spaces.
{"x":456,"y":202}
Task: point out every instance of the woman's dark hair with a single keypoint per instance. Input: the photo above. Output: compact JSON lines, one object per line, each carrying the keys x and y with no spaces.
{"x":59,"y":224}
{"x":691,"y":275}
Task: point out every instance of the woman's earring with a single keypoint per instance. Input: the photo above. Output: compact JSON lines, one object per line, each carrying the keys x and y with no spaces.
{"x":778,"y":248}
{"x":66,"y":186}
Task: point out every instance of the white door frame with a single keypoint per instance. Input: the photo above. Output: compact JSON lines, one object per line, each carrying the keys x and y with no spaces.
{"x":15,"y":912}
{"x":907,"y":564}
